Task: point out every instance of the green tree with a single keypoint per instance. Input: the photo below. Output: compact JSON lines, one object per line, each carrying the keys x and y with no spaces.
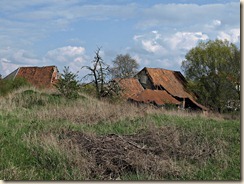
{"x":124,"y":66}
{"x":68,"y":85}
{"x":213,"y":71}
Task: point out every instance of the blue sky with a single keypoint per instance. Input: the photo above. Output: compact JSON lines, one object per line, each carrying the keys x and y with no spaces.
{"x":157,"y":33}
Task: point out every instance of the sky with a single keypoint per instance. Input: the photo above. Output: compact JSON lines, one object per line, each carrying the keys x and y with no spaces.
{"x":157,"y":33}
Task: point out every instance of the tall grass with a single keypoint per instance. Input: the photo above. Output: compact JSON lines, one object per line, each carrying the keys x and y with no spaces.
{"x":42,"y":138}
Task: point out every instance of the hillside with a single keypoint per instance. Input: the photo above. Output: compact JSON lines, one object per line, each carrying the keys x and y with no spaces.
{"x":45,"y":137}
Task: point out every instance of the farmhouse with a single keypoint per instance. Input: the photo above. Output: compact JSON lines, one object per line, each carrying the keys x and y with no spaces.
{"x":160,"y":87}
{"x":40,"y":77}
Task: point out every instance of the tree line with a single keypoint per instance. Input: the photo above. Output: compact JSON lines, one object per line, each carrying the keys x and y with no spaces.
{"x":212,"y":70}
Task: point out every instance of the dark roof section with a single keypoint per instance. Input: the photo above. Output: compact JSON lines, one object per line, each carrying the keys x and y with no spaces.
{"x":129,"y":86}
{"x":159,"y":97}
{"x":199,"y":105}
{"x":12,"y":75}
{"x":37,"y":76}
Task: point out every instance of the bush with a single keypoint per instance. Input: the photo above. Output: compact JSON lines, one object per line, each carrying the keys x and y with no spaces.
{"x":68,"y":85}
{"x":7,"y":86}
{"x":89,"y":89}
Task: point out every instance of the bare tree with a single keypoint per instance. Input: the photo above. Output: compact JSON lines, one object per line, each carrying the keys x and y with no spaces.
{"x":99,"y":71}
{"x":124,"y":66}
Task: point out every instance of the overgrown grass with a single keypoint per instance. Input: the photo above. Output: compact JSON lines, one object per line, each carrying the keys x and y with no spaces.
{"x":44,"y":137}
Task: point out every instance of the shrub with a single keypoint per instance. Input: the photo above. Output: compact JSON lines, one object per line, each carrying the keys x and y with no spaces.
{"x":68,"y":85}
{"x":7,"y":86}
{"x":89,"y":89}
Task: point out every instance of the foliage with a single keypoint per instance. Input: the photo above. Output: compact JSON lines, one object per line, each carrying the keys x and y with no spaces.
{"x":68,"y":85}
{"x":124,"y":66}
{"x":7,"y":86}
{"x":213,"y":71}
{"x":99,"y":72}
{"x":89,"y":89}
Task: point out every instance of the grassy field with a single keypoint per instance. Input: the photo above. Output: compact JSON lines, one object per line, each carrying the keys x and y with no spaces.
{"x":45,"y":137}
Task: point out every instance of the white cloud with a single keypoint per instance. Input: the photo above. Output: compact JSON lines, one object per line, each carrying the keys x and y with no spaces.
{"x":185,"y":40}
{"x":232,"y":35}
{"x":216,"y":22}
{"x":67,"y":51}
{"x":152,"y":46}
{"x":71,"y":56}
{"x":23,"y":56}
{"x":163,"y":32}
{"x":12,"y":58}
{"x":7,"y":67}
{"x":212,"y":26}
{"x":150,"y":42}
{"x":142,"y":61}
{"x":70,"y":11}
{"x":166,"y":50}
{"x":25,"y":22}
{"x":162,"y":44}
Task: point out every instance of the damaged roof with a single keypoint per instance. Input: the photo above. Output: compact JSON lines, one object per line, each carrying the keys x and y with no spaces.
{"x":159,"y":97}
{"x":163,"y":87}
{"x":129,"y":86}
{"x":172,"y":81}
{"x":37,"y":76}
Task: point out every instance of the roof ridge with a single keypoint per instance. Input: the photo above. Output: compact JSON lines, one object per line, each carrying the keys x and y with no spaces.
{"x":161,"y":69}
{"x":37,"y":66}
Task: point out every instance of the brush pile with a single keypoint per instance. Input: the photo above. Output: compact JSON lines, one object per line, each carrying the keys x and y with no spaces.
{"x":152,"y":152}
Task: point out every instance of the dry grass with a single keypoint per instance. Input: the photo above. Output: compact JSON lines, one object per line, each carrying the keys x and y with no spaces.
{"x":88,"y":110}
{"x":151,"y":146}
{"x":156,"y":153}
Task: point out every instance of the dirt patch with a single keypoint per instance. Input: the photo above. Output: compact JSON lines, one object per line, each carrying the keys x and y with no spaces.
{"x":153,"y":152}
